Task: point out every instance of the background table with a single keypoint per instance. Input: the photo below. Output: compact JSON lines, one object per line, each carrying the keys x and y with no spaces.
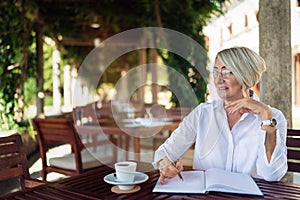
{"x":91,"y":185}
{"x":134,"y":132}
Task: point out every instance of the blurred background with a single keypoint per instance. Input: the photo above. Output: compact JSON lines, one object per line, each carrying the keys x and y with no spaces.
{"x":43,"y":44}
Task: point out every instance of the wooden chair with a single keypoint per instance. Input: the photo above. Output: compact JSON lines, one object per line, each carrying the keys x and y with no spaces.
{"x":53,"y":131}
{"x":13,"y":161}
{"x":293,"y":146}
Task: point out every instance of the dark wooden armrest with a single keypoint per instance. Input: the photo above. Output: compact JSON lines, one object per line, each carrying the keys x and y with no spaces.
{"x":30,"y":183}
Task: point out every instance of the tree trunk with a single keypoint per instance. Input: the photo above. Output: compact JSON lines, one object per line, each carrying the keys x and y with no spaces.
{"x":275,"y":48}
{"x":40,"y":73}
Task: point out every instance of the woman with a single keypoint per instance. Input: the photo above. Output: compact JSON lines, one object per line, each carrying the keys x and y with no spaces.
{"x":236,"y":133}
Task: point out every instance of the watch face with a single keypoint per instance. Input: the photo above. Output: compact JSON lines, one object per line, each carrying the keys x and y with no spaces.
{"x":273,"y":122}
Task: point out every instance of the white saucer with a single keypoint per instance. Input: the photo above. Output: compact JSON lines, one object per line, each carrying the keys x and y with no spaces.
{"x":133,"y":125}
{"x":139,"y":178}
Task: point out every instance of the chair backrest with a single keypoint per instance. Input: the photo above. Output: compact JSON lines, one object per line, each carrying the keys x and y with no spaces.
{"x":13,"y":161}
{"x":53,"y":131}
{"x":103,"y":110}
{"x":85,"y":114}
{"x":180,"y":113}
{"x":293,"y":146}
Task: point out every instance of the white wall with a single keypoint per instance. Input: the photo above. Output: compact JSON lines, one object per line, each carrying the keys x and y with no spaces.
{"x":220,"y":37}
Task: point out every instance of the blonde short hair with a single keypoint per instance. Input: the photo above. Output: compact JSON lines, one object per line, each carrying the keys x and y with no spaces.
{"x":246,"y":65}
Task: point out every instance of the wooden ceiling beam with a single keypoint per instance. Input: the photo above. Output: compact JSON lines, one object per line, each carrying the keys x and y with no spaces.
{"x":77,"y":42}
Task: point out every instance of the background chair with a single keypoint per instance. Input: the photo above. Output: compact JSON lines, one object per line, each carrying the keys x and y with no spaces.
{"x":85,"y":114}
{"x":54,"y":131}
{"x":13,"y":161}
{"x":293,"y":146}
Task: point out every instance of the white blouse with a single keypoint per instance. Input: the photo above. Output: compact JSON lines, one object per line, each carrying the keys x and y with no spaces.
{"x":241,"y":149}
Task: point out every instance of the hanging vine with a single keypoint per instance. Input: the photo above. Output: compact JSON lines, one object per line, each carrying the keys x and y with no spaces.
{"x":189,"y":19}
{"x":15,"y":40}
{"x":18,"y":57}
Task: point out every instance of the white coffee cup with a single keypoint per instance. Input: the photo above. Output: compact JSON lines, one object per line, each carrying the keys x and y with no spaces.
{"x":125,"y":173}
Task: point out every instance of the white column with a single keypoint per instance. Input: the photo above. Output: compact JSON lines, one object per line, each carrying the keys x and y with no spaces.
{"x":142,"y":61}
{"x":67,"y":89}
{"x":154,"y":85}
{"x":56,"y":81}
{"x":75,"y":86}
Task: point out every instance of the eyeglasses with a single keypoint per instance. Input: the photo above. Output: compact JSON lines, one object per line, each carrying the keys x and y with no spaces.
{"x":223,"y":73}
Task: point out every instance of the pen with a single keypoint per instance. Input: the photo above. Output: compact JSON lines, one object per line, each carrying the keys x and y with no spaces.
{"x":173,"y":163}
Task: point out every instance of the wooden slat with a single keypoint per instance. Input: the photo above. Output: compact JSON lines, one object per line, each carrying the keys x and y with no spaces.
{"x":55,"y":125}
{"x":62,"y":131}
{"x":10,"y":139}
{"x":293,"y":142}
{"x":293,"y":167}
{"x":11,"y":172}
{"x":293,"y":132}
{"x":10,"y":160}
{"x":67,"y":172}
{"x":7,"y":148}
{"x":32,"y":196}
{"x":74,"y":194}
{"x":294,"y":154}
{"x":54,"y":194}
{"x":56,"y":138}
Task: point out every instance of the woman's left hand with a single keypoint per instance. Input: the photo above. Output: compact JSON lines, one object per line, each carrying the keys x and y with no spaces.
{"x":249,"y":105}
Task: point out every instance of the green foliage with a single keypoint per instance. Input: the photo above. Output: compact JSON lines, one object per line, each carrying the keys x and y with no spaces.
{"x":29,"y":91}
{"x":189,"y":19}
{"x":17,"y":44}
{"x":15,"y":34}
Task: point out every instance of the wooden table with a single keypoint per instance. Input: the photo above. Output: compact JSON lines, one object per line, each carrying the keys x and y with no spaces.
{"x":91,"y":185}
{"x":131,"y":132}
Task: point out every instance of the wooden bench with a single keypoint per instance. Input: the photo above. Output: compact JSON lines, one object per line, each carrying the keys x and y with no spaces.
{"x":293,"y":153}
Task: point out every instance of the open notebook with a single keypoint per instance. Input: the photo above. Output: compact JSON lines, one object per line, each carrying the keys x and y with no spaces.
{"x":201,"y":182}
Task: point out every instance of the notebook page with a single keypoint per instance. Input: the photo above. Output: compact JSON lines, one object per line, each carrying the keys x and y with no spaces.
{"x":193,"y":183}
{"x":225,"y":181}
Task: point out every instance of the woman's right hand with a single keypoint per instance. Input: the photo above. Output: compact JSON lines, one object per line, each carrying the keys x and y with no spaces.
{"x":167,"y":170}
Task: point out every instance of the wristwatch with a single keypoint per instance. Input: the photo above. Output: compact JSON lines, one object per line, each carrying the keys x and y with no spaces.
{"x":270,"y":122}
